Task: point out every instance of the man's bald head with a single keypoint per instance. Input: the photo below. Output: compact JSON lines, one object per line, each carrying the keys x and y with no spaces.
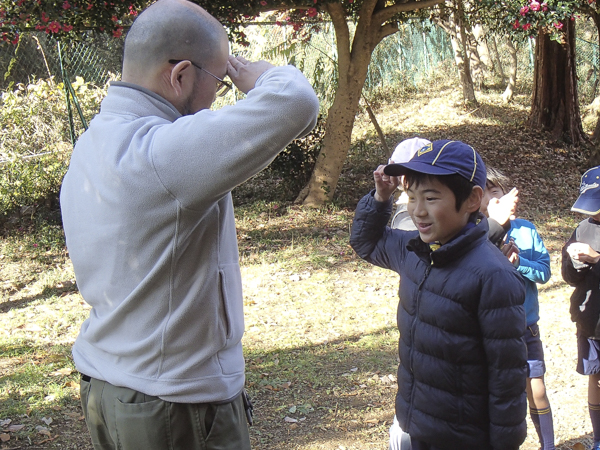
{"x":171,"y":29}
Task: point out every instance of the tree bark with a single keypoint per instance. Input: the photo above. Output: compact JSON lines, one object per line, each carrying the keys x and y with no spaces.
{"x":555,"y":102}
{"x":476,"y":65}
{"x":453,"y":24}
{"x":512,"y":72}
{"x":483,"y":49}
{"x":499,"y":68}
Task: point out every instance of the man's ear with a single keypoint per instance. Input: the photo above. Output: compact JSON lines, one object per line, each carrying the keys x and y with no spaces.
{"x":474,"y":200}
{"x":182,"y":79}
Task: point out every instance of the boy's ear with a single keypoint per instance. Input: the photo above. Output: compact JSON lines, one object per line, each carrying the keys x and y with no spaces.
{"x":473,"y":203}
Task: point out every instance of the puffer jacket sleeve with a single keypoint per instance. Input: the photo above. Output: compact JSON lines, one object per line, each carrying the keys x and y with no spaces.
{"x":502,"y":320}
{"x":370,"y":236}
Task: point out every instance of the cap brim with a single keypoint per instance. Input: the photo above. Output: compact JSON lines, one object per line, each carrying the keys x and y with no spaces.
{"x":395,"y":170}
{"x":587,"y":205}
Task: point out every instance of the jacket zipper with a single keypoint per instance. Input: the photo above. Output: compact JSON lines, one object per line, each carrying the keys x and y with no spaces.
{"x":412,"y":338}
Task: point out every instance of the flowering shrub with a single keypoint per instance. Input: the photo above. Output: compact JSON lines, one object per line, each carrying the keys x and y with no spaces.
{"x":64,"y":18}
{"x":529,"y":16}
{"x":35,"y":144}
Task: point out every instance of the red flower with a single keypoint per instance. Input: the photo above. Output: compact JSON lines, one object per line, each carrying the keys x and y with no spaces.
{"x":535,"y":6}
{"x":118,"y":32}
{"x":524,"y":10}
{"x":44,"y":17}
{"x":558,"y":25}
{"x":544,"y":6}
{"x":53,"y":27}
{"x":516,"y":25}
{"x":526,"y":27}
{"x":312,"y":12}
{"x":89,"y":6}
{"x":67,"y":28}
{"x":66,"y":5}
{"x":263,"y":3}
{"x":15,"y":41}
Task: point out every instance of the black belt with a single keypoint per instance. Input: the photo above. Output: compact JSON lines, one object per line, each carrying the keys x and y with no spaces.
{"x":85,"y":378}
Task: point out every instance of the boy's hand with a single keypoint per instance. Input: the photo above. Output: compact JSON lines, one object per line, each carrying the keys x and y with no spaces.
{"x":385,"y":186}
{"x":503,"y":209}
{"x":583,"y":253}
{"x":511,"y":251}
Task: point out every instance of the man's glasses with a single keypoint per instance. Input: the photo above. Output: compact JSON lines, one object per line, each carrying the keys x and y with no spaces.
{"x":223,"y":87}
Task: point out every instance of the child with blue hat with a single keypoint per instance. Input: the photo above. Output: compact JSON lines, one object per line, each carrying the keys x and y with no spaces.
{"x":462,"y":372}
{"x":580,"y":269}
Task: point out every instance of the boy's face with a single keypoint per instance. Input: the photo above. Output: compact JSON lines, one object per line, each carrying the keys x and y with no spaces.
{"x":432,"y":207}
{"x":491,"y":191}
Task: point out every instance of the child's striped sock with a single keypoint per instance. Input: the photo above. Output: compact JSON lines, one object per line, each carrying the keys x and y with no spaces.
{"x":542,"y":420}
{"x":595,"y":418}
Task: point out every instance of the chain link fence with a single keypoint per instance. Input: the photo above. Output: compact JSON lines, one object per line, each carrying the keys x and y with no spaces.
{"x":95,"y":58}
{"x":407,"y":58}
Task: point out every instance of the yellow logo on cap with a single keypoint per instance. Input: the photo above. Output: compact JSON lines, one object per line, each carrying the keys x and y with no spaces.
{"x":425,"y":149}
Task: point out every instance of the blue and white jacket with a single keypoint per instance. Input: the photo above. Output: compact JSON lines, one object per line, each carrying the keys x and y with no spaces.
{"x":534,"y":264}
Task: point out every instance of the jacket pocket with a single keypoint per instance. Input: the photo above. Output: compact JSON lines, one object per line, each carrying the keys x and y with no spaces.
{"x":224,"y":304}
{"x":230,"y":288}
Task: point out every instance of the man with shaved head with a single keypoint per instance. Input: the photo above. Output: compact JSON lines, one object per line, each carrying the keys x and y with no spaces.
{"x":149,"y":224}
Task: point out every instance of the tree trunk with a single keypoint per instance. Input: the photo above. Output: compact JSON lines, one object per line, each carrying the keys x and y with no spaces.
{"x":482,"y":48}
{"x":496,"y":58}
{"x":453,"y":24}
{"x":352,"y":71}
{"x":555,"y":103}
{"x":477,"y":68}
{"x":375,"y":23}
{"x":512,"y":72}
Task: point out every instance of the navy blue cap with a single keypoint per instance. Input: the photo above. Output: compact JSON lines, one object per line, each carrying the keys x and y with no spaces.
{"x":589,"y":193}
{"x":444,"y":158}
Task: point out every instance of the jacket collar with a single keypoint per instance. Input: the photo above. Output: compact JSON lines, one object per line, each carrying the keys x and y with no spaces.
{"x":137,"y":101}
{"x":453,"y":249}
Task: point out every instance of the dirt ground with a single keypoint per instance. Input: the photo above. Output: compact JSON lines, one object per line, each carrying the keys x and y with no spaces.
{"x":320,"y":335}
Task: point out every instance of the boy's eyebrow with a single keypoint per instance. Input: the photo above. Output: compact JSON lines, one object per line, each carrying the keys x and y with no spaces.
{"x":426,"y":191}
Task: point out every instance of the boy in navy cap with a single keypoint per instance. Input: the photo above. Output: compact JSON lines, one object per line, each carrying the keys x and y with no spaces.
{"x":461,"y":379}
{"x":581,"y":270}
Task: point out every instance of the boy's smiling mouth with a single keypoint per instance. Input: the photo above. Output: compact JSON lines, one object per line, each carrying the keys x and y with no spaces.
{"x":423,"y":226}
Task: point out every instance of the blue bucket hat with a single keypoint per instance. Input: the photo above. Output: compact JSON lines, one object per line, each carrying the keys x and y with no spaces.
{"x":589,"y":193}
{"x":444,"y":158}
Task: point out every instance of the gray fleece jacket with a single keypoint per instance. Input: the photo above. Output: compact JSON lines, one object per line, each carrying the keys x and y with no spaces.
{"x":150,"y":229}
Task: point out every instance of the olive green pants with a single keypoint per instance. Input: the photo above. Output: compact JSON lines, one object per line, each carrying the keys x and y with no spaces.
{"x":123,"y":419}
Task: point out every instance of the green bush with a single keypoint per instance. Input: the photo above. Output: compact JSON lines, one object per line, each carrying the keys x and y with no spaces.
{"x":35,"y":143}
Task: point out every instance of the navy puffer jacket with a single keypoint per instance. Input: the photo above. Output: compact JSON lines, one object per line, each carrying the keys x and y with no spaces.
{"x":461,"y":379}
